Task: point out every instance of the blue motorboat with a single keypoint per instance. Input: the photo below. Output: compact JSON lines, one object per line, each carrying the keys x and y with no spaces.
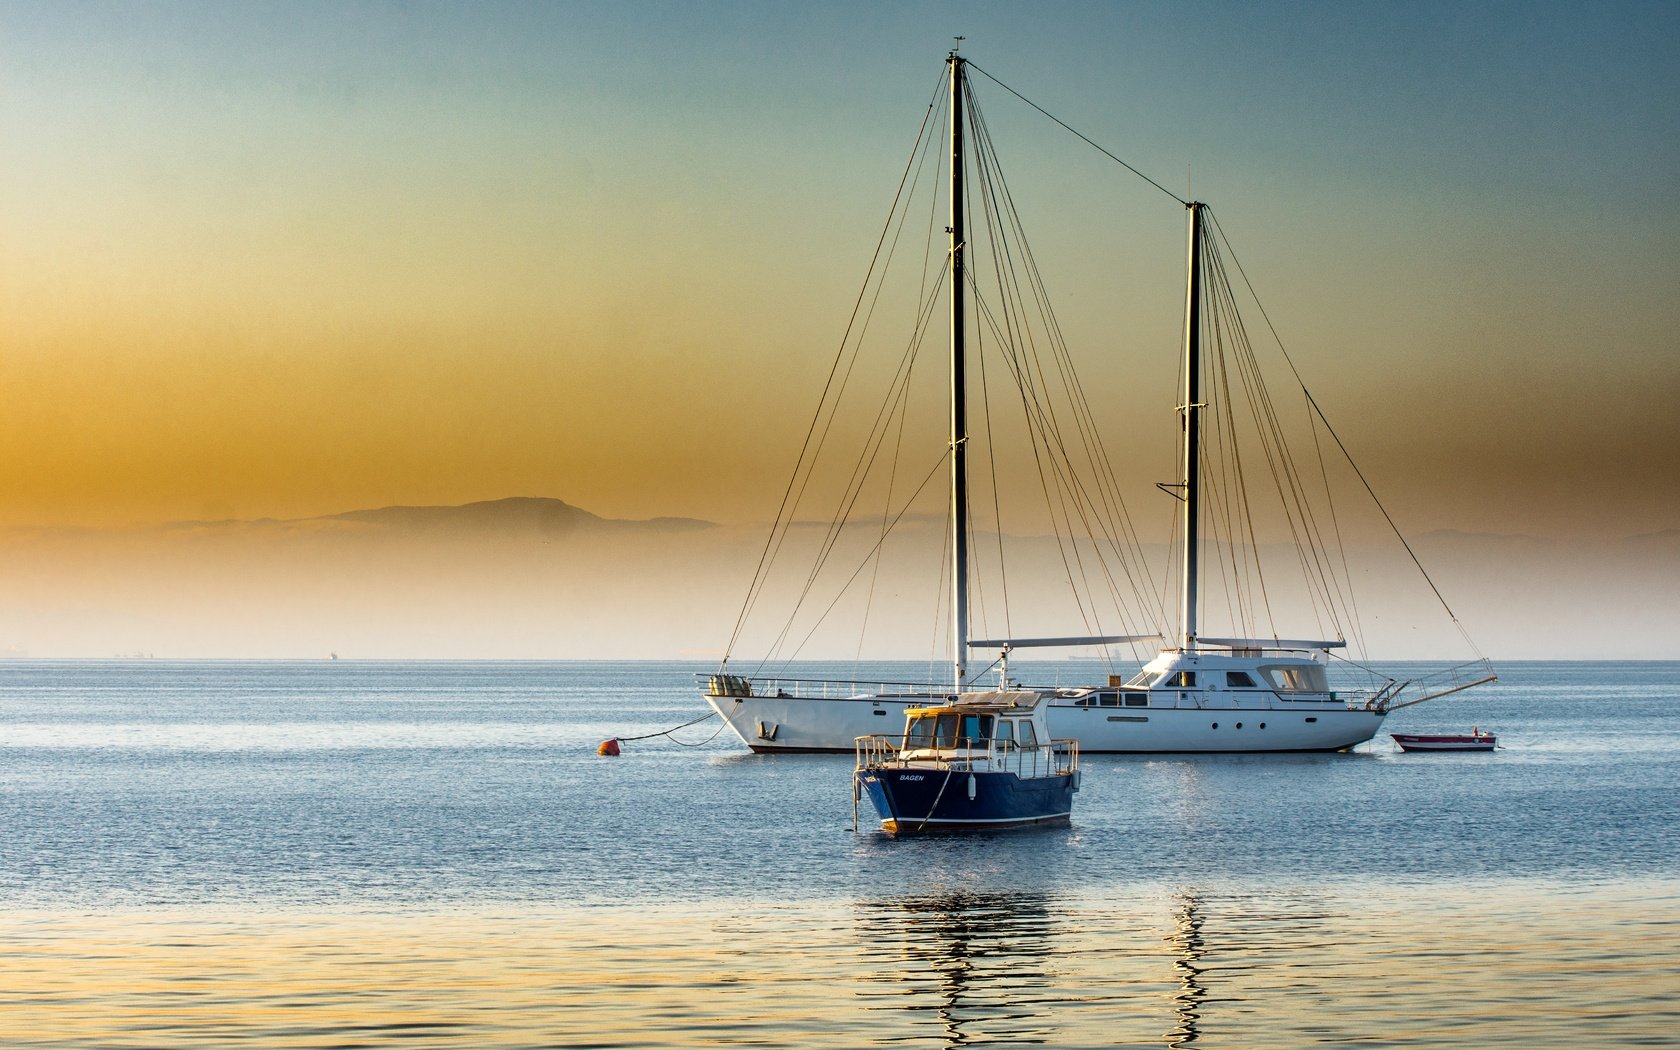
{"x":983,"y":760}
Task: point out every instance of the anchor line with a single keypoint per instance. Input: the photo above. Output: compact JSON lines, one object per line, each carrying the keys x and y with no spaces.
{"x":673,"y":729}
{"x":698,"y":743}
{"x":936,"y":798}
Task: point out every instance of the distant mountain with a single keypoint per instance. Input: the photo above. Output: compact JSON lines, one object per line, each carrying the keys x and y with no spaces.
{"x":509,"y":578}
{"x":1664,"y":540}
{"x":516,"y":514}
{"x":541,"y":578}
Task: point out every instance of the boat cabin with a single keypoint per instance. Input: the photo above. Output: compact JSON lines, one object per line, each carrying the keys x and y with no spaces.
{"x":977,"y":728}
{"x":998,"y":731}
{"x":1229,"y":677}
{"x":953,"y":727}
{"x":1236,"y":669}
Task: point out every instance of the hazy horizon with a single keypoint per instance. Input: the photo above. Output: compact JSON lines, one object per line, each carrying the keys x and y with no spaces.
{"x":532,"y":578}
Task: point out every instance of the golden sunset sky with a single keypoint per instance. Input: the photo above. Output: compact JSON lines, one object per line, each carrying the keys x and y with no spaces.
{"x":286,"y":260}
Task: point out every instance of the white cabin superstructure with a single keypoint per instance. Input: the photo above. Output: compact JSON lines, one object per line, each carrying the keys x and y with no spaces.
{"x":1236,"y":700}
{"x":1181,"y":702}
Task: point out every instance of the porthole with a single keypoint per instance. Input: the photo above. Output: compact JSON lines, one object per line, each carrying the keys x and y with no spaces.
{"x":1239,"y":725}
{"x":1216,"y":725}
{"x":1262,"y":725}
{"x":1312,"y":719}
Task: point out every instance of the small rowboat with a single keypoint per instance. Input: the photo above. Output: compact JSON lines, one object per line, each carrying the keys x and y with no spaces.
{"x":1475,"y":741}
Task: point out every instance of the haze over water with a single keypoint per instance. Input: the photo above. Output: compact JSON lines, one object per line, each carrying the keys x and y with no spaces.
{"x":343,"y":853}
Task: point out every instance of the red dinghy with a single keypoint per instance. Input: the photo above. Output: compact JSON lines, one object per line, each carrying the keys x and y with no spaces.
{"x":1476,"y":741}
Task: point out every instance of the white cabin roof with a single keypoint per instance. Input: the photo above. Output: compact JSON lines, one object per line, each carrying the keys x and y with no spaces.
{"x":1174,"y":658}
{"x":1017,"y":700}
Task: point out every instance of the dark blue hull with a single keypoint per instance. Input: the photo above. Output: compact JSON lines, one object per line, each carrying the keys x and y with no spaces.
{"x":920,"y":800}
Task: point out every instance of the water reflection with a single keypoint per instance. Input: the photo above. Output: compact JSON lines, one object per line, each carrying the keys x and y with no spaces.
{"x":1186,"y":942}
{"x":975,"y":964}
{"x":1498,"y":966}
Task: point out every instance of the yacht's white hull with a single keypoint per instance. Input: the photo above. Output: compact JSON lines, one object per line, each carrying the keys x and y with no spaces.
{"x":1221,"y":724}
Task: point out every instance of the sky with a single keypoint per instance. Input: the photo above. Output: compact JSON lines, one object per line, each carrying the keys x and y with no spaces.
{"x":293,"y":259}
{"x":265,"y":260}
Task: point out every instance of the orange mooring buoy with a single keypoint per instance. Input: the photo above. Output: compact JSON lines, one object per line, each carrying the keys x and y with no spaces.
{"x":608,"y":747}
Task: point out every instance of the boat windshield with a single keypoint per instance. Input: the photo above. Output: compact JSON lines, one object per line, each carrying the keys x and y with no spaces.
{"x":948,"y":729}
{"x":1303,"y":678}
{"x":1145,"y":678}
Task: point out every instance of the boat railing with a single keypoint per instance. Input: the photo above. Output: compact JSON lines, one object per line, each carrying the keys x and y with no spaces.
{"x":874,"y":751}
{"x":1064,"y":756}
{"x":1431,"y":686}
{"x":962,"y":754}
{"x":819,"y":688}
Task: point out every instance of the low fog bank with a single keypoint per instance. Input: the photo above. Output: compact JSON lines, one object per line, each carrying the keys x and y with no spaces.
{"x":540,"y":579}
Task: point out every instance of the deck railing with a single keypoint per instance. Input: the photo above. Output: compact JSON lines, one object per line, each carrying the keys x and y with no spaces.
{"x":820,"y":688}
{"x":1433,"y":685}
{"x":963,"y":754}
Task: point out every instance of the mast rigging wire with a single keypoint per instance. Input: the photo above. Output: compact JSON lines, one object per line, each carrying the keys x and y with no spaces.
{"x":1077,"y":134}
{"x":780,"y":527}
{"x":1312,"y":401}
{"x":1067,"y":499}
{"x":1006,"y":236}
{"x":1319,"y":411}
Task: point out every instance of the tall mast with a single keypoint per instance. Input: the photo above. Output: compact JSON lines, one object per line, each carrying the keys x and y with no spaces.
{"x":1192,"y":426}
{"x":959,"y":393}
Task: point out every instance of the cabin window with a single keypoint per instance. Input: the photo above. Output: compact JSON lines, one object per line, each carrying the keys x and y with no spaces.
{"x":1298,"y":678}
{"x":1137,"y":699}
{"x":975,"y":728}
{"x":946,"y":735}
{"x":1238,"y":680}
{"x":916,"y":733}
{"x":920,"y":732}
{"x":1005,"y":734}
{"x":1029,"y":736}
{"x":1183,"y":680}
{"x":931,"y":731}
{"x":1109,"y":700}
{"x":1145,"y":679}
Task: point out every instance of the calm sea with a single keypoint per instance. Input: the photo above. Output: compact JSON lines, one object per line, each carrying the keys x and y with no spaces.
{"x":370,"y":854}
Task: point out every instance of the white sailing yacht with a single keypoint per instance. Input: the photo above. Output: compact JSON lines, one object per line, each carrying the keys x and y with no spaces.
{"x":1199,"y":694}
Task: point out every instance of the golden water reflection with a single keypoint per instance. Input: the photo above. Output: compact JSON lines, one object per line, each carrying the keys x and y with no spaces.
{"x":975,"y":966}
{"x":1501,"y":965}
{"x":1186,"y":942}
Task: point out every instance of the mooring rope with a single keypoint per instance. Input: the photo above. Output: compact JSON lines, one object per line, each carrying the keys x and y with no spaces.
{"x":700,"y":743}
{"x":673,"y":729}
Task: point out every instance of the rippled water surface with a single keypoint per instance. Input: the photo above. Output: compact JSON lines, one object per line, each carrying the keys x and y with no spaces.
{"x":357,"y":854}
